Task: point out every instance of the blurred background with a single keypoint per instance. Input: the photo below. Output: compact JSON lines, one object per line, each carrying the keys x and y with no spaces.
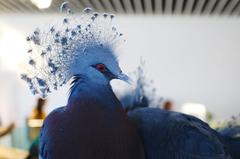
{"x":191,"y":50}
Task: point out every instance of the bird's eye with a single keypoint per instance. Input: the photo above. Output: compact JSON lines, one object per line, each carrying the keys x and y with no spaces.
{"x":101,"y":67}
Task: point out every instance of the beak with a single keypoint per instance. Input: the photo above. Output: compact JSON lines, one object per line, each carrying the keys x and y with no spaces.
{"x":125,"y":78}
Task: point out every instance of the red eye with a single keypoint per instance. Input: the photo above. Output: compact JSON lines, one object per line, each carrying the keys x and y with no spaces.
{"x":101,"y":67}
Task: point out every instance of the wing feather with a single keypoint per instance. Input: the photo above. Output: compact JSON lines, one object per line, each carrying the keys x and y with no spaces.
{"x":174,"y":135}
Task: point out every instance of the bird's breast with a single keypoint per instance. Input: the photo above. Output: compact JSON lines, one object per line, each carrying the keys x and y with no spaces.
{"x":93,"y":131}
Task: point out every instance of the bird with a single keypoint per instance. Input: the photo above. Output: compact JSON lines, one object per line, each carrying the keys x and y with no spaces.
{"x":231,"y":137}
{"x":93,"y":123}
{"x":175,"y":135}
{"x":168,"y":134}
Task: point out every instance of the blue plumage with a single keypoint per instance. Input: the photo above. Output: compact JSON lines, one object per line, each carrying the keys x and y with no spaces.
{"x":231,"y":136}
{"x":172,"y":135}
{"x":168,"y":134}
{"x":92,"y":125}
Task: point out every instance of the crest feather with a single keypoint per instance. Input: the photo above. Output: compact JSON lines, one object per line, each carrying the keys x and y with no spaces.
{"x":54,"y":50}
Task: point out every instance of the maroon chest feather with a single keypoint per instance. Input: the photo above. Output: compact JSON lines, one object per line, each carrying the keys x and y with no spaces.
{"x":92,"y":131}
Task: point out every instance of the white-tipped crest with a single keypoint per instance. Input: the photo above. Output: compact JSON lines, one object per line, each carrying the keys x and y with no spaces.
{"x":144,"y":87}
{"x":54,"y":51}
{"x":144,"y":93}
{"x":235,"y":121}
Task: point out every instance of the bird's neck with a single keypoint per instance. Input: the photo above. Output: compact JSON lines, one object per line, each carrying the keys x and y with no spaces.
{"x":87,"y":91}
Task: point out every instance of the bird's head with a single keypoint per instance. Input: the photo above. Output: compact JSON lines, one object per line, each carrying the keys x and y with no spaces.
{"x":98,"y":65}
{"x":83,"y":46}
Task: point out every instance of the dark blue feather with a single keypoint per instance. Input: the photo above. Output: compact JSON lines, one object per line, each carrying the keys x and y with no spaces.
{"x":231,"y":136}
{"x":92,"y":125}
{"x":172,"y":135}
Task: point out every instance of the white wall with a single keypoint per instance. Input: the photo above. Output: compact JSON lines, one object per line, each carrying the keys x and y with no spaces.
{"x":191,"y":59}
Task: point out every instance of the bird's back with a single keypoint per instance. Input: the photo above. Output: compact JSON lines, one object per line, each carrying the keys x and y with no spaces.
{"x":172,"y":135}
{"x":87,"y":131}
